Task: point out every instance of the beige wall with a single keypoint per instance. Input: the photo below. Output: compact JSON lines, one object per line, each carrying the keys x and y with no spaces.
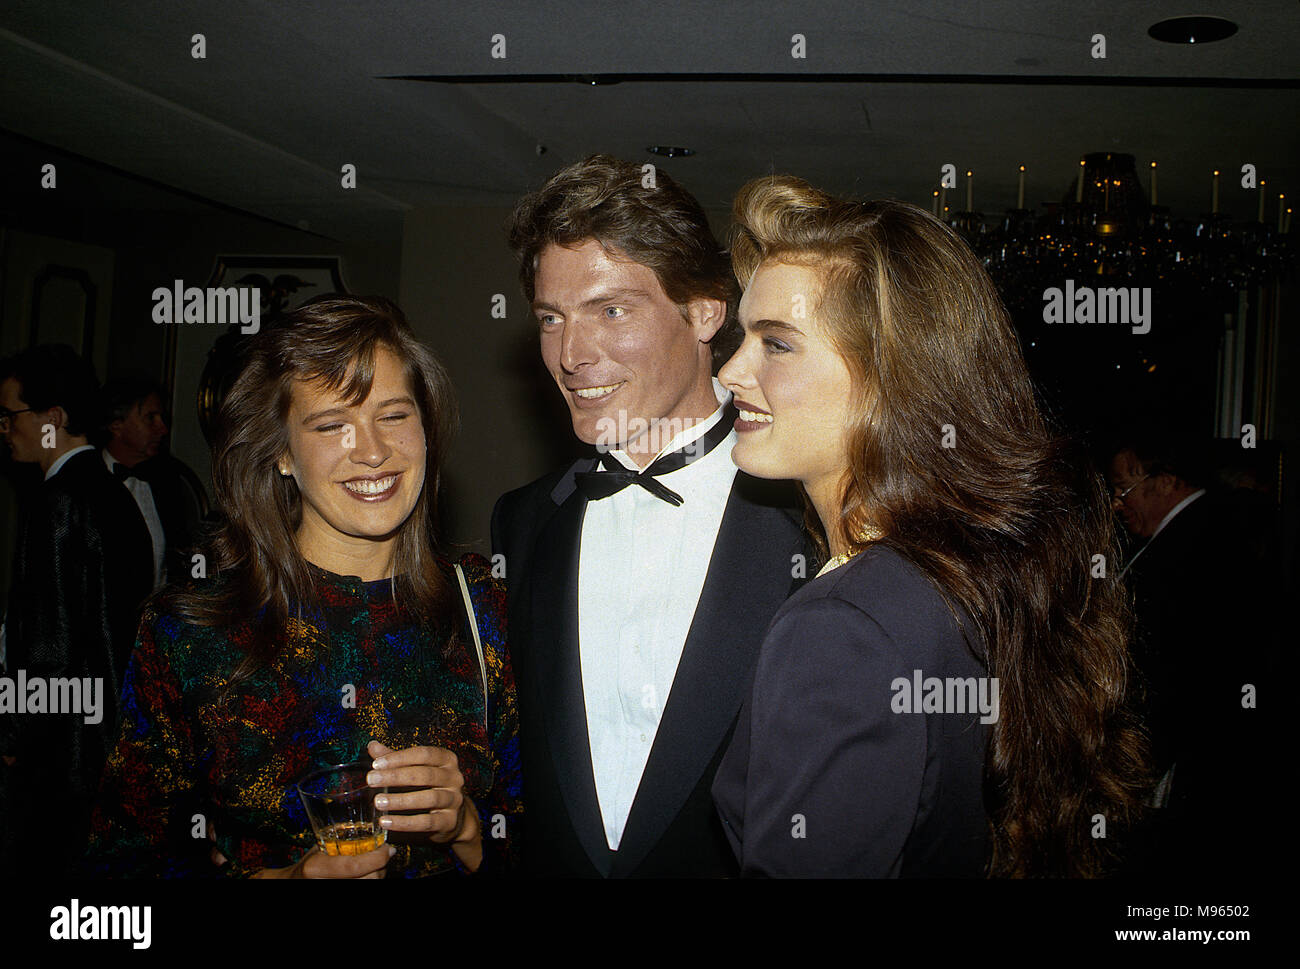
{"x":514,"y":426}
{"x":370,"y":267}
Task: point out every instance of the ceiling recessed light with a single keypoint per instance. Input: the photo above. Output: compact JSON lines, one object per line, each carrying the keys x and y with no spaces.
{"x":670,"y":151}
{"x":1192,"y":30}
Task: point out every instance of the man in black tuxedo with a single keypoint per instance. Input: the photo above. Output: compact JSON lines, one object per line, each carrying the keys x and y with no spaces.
{"x":82,"y":567}
{"x":1201,"y":645}
{"x":641,"y":581}
{"x":135,"y":428}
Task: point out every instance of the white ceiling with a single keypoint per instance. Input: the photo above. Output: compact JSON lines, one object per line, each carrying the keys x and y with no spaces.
{"x":291,"y":91}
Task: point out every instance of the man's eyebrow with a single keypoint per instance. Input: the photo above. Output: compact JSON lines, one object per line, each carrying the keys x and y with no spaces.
{"x":339,"y":411}
{"x":616,"y":295}
{"x":607,"y":296}
{"x":758,"y":326}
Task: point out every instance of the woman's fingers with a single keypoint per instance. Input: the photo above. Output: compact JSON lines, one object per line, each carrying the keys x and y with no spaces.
{"x":423,"y":775}
{"x":316,"y":864}
{"x":434,"y":790}
{"x":431,"y":756}
{"x":425,"y":799}
{"x":413,"y":767}
{"x":442,"y":824}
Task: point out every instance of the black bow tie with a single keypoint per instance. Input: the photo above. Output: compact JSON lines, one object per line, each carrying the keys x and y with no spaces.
{"x":614,"y":477}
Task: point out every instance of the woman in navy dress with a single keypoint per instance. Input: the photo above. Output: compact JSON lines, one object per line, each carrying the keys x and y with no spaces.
{"x":949,"y":695}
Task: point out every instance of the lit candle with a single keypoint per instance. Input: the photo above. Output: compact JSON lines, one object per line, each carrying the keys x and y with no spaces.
{"x":934,"y":203}
{"x":1154,"y":197}
{"x":1262,"y":183}
{"x":1281,"y":204}
{"x":970,"y":191}
{"x":1214,"y":195}
{"x":1288,"y":221}
{"x":1020,"y":196}
{"x":943,"y":201}
{"x":1078,"y":189}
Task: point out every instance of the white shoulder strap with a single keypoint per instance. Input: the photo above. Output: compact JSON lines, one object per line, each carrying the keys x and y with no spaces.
{"x":478,"y":643}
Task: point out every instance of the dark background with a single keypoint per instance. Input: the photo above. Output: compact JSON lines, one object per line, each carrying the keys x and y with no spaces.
{"x":166,"y":162}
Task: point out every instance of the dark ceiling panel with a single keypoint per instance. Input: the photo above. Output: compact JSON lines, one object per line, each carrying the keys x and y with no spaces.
{"x":291,"y":91}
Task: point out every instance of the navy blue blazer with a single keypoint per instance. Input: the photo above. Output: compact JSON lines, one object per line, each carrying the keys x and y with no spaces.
{"x":823,"y":777}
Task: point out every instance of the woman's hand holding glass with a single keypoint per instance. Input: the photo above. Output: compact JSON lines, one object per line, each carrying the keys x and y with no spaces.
{"x":434,"y":804}
{"x":430,"y":805}
{"x":317,"y":864}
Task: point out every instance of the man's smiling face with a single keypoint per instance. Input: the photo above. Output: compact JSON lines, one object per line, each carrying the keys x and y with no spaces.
{"x":614,"y":342}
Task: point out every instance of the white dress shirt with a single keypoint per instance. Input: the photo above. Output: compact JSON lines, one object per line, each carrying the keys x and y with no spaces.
{"x":641,"y":568}
{"x":143,"y":496}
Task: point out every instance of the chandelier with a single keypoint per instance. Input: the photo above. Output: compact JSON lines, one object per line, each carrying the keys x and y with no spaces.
{"x":1105,"y":226}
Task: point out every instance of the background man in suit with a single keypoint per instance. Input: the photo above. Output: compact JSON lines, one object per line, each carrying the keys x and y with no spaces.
{"x":82,"y":567}
{"x":639,"y":592}
{"x":135,"y":428}
{"x":1201,"y":640}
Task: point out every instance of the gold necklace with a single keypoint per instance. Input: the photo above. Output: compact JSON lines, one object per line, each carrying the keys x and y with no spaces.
{"x":868,"y":534}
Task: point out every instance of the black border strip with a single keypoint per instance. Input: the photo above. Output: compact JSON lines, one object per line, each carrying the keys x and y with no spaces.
{"x":851,"y":78}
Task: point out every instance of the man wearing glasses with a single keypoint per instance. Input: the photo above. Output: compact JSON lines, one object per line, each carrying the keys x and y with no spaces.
{"x":1201,"y":647}
{"x":1149,"y":495}
{"x":82,"y":565}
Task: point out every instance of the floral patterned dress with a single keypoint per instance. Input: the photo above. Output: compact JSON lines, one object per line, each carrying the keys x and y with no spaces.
{"x":198,"y":766}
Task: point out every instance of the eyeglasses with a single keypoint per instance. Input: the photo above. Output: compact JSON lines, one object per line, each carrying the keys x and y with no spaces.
{"x":6,"y":414}
{"x":1121,"y":495}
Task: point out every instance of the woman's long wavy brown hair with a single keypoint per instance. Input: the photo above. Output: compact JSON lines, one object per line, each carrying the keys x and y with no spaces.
{"x":253,"y":555}
{"x":1006,"y":523}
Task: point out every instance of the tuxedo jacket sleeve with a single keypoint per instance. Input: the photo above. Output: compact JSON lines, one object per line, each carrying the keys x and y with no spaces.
{"x":823,"y":777}
{"x":516,"y":520}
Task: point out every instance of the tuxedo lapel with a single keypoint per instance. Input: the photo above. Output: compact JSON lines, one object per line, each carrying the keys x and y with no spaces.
{"x":558,"y":671}
{"x":749,"y":577}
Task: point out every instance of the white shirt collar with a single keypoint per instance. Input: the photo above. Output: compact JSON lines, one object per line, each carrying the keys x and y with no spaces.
{"x":1175,"y":510}
{"x":694,"y":431}
{"x":1169,"y":516}
{"x":63,"y":459}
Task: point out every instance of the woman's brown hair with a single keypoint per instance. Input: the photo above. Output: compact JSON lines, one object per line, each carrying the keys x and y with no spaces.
{"x":1007,"y":522}
{"x":253,"y":555}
